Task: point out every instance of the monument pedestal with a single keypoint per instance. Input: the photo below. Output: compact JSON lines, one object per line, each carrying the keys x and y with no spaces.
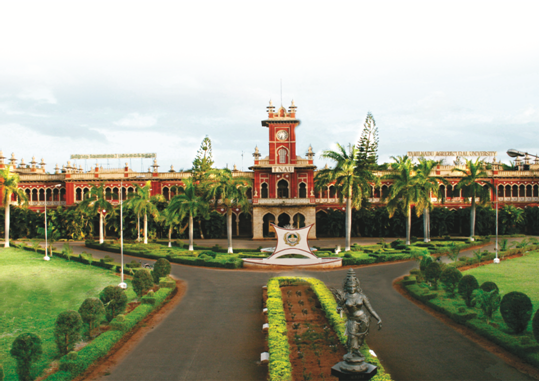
{"x":344,"y":375}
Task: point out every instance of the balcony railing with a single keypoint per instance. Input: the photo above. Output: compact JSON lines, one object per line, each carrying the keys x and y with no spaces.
{"x":284,"y":201}
{"x":49,"y":203}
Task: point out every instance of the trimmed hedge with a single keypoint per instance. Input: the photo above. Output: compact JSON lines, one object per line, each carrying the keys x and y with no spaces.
{"x":327,"y":301}
{"x":72,"y":366}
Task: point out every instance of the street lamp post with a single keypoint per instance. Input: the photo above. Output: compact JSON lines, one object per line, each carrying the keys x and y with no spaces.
{"x":122,"y":283}
{"x":46,"y":257}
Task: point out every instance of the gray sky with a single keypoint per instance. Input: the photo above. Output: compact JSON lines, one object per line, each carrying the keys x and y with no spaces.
{"x":136,"y":77}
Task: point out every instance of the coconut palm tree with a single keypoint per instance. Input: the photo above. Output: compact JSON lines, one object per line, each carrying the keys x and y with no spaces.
{"x":473,"y":186}
{"x":231,"y":191}
{"x":349,"y":185}
{"x":95,"y":202}
{"x":404,"y":190}
{"x":429,"y":186}
{"x":187,"y":203}
{"x":143,"y":203}
{"x":10,"y":186}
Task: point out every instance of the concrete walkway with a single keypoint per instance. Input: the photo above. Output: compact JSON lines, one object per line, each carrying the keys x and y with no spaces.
{"x":215,"y":332}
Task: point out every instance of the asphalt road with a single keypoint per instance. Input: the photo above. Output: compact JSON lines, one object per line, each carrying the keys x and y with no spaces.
{"x":215,"y":333}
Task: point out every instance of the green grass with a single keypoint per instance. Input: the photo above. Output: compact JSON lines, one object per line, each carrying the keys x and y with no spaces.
{"x":34,"y":292}
{"x":518,"y":274}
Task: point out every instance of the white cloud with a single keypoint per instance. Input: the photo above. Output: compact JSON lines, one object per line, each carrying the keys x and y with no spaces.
{"x":41,"y":95}
{"x":137,"y":121}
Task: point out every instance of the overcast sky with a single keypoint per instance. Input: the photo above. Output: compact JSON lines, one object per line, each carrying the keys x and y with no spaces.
{"x":140,"y":77}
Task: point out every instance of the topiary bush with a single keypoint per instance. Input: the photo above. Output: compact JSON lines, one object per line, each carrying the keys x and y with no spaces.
{"x":142,"y":281}
{"x":489,"y":286}
{"x":161,"y":269}
{"x":425,"y":261}
{"x":432,"y":273}
{"x":91,"y":311}
{"x":516,"y":309}
{"x":450,"y":277}
{"x":115,"y":301}
{"x":489,"y":301}
{"x":26,"y":349}
{"x":67,"y":331}
{"x":466,"y":287}
{"x":535,"y":326}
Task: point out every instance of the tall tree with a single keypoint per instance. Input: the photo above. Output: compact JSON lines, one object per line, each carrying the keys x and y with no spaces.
{"x":189,"y":204}
{"x":9,"y":184}
{"x":231,"y":191}
{"x":202,"y":164}
{"x":404,"y":190}
{"x":429,"y":186}
{"x":143,"y":203}
{"x":367,"y":146}
{"x":474,"y":184}
{"x":95,"y":202}
{"x":349,"y":186}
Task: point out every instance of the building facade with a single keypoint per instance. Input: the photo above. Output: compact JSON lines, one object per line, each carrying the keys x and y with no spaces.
{"x":283,"y":183}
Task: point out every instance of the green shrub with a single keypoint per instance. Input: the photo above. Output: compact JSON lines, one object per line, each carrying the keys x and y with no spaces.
{"x":535,"y":326}
{"x":167,"y":282}
{"x":396,"y":243}
{"x":488,"y":301}
{"x":142,"y":281}
{"x":149,"y":298}
{"x":115,"y":301}
{"x":489,"y":286}
{"x":26,"y":349}
{"x":210,"y":254}
{"x":450,"y":277}
{"x":107,"y":259}
{"x":467,"y":285}
{"x":432,"y":273}
{"x":91,"y":312}
{"x":347,"y":255}
{"x":425,"y":261}
{"x":133,"y":265}
{"x":516,"y":309}
{"x":161,"y":269}
{"x":67,"y":331}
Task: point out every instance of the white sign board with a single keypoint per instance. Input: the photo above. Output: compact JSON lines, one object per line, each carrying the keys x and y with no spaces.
{"x":282,"y":169}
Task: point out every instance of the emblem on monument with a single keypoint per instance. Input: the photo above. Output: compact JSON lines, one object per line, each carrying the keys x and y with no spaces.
{"x":292,"y":238}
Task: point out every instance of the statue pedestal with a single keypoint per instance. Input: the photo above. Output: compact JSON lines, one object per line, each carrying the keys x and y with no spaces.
{"x":344,"y":375}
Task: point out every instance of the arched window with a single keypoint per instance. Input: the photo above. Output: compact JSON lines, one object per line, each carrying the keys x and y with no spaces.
{"x":535,"y":191}
{"x":302,"y":190}
{"x":515,"y":191}
{"x":282,"y":189}
{"x":166,"y":194}
{"x":264,"y":190}
{"x":299,"y":221}
{"x":500,"y":191}
{"x":377,"y":192}
{"x":28,"y":194}
{"x":62,"y":194}
{"x":528,"y":191}
{"x":34,"y":195}
{"x":332,"y":192}
{"x":522,"y":191}
{"x":283,"y":156}
{"x":41,"y":195}
{"x":442,"y":191}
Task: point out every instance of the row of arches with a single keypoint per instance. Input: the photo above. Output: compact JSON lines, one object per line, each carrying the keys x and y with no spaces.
{"x":283,"y":189}
{"x":518,"y":190}
{"x":50,"y":194}
{"x":283,"y":219}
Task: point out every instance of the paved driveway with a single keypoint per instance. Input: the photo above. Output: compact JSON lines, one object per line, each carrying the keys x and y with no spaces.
{"x":215,"y":332}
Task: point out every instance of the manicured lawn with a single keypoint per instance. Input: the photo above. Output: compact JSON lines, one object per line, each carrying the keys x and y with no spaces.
{"x":32,"y":294}
{"x":519,"y":274}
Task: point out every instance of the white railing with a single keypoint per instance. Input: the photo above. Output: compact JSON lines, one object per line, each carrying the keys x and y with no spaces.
{"x":329,"y":201}
{"x":49,"y":203}
{"x":42,"y":177}
{"x":283,"y":201}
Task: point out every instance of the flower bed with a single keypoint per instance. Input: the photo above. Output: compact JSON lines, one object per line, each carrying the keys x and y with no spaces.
{"x":280,"y":367}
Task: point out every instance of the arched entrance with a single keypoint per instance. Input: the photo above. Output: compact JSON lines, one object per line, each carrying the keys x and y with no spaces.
{"x":267,"y":229}
{"x":284,"y":219}
{"x":299,"y":221}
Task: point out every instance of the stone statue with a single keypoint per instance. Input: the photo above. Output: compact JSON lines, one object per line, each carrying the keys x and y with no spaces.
{"x":359,"y":311}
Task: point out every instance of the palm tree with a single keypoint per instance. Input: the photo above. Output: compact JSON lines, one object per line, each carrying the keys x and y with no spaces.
{"x":143,"y":202}
{"x":474,"y":187}
{"x":348,"y":184}
{"x":429,"y":185}
{"x":404,"y":191}
{"x":231,"y":191}
{"x":95,"y":201}
{"x":188,"y":203}
{"x":10,"y":186}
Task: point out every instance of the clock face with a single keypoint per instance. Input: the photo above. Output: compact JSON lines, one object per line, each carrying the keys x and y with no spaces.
{"x":282,"y":135}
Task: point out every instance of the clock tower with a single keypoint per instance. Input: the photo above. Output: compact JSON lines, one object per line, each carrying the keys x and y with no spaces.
{"x":283,"y":187}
